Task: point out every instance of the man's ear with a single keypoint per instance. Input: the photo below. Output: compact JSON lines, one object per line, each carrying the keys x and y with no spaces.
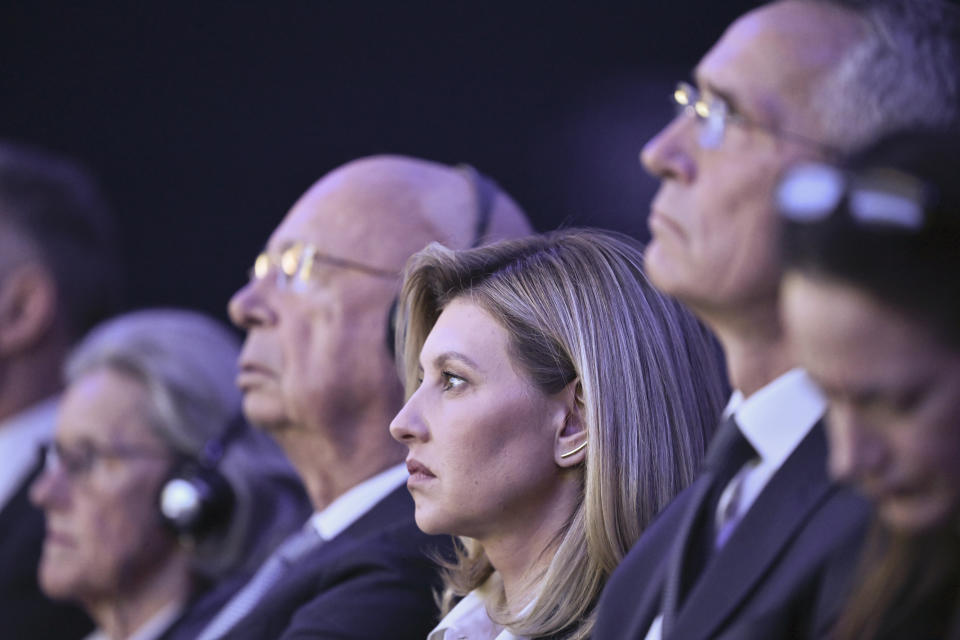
{"x":571,"y":444}
{"x":28,"y":307}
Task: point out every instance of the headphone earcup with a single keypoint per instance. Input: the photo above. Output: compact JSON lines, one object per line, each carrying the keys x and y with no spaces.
{"x":195,"y":499}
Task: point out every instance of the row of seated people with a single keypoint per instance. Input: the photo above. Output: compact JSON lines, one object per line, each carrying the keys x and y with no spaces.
{"x":570,"y":468}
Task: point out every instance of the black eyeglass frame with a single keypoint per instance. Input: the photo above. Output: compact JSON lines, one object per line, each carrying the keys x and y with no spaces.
{"x":78,"y":465}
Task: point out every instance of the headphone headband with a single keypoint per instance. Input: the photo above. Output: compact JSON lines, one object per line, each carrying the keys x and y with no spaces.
{"x":484,"y":191}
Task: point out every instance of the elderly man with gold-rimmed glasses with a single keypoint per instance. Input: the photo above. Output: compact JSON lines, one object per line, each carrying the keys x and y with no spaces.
{"x":317,"y":374}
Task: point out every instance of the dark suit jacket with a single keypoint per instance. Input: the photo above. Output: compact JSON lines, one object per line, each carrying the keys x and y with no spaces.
{"x":25,"y":613}
{"x":770,"y":578}
{"x":202,"y":608}
{"x":374,"y":580}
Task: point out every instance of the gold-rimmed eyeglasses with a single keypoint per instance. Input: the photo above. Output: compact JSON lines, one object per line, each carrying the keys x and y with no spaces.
{"x":295,"y":264}
{"x":713,"y":114}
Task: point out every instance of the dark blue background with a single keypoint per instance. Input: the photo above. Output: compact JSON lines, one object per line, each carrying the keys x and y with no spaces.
{"x":206,"y":120}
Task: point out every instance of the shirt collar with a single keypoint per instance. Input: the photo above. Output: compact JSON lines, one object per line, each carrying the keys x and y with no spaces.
{"x":775,"y":418}
{"x":469,"y":618}
{"x":347,"y":509}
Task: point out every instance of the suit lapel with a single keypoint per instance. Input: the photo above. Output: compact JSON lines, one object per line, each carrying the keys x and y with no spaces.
{"x":792,"y":494}
{"x":650,"y":603}
{"x":307,"y":577}
{"x":680,"y":552}
{"x":654,"y":563}
{"x":395,"y":508}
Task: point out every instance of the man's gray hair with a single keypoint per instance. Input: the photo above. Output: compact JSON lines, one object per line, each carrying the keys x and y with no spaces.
{"x":187,"y":363}
{"x":902,"y":75}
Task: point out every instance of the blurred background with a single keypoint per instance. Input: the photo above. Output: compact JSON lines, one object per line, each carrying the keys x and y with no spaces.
{"x":204,"y":121}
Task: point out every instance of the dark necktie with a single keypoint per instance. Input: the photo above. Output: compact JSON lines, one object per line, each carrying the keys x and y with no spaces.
{"x":728,"y":452}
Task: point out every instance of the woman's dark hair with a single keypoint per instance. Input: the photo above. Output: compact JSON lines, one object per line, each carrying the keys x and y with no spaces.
{"x":888,"y":224}
{"x":910,"y":265}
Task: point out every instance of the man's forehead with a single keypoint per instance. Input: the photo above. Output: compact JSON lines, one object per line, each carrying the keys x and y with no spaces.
{"x":770,"y":58}
{"x":381,"y":227}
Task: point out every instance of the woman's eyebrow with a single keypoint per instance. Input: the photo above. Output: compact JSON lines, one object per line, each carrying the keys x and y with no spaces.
{"x":446,"y":356}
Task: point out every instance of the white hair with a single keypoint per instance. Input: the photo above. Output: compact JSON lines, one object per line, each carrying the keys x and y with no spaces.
{"x":187,"y":363}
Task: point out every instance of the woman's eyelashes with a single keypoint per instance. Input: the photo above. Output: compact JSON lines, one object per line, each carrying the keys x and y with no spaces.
{"x":446,"y":379}
{"x":451,"y":381}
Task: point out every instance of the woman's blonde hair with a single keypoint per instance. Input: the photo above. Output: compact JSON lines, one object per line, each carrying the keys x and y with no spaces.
{"x":577,"y":306}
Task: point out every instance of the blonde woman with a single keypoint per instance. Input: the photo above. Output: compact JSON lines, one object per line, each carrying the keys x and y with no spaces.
{"x":556,"y":402}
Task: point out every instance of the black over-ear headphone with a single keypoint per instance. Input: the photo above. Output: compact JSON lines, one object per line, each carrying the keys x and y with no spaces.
{"x":196,"y":497}
{"x":485,"y":191}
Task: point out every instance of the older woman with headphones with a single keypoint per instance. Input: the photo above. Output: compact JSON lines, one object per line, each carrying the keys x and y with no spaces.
{"x":153,"y":489}
{"x":556,"y":402}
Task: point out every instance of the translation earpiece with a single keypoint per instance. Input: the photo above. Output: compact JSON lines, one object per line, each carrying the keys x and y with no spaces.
{"x":196,"y":498}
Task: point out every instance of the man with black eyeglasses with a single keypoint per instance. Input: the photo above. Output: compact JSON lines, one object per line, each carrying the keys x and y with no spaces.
{"x":749,"y":550}
{"x":317,"y":374}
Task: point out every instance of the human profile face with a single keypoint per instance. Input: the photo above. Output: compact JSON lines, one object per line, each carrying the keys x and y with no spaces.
{"x":316,"y":349}
{"x":103,"y":532}
{"x":894,"y":391}
{"x":481,"y":437}
{"x":714,"y":231}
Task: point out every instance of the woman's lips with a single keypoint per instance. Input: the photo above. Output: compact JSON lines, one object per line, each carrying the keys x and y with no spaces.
{"x":419,"y":472}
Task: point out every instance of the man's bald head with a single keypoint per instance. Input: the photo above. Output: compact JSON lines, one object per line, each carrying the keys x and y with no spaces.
{"x":390,"y":207}
{"x":315,"y":359}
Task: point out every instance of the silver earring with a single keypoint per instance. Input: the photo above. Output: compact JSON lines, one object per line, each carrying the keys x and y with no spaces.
{"x":575,"y":450}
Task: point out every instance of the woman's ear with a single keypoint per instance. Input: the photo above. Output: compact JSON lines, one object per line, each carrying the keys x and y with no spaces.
{"x":570,"y":448}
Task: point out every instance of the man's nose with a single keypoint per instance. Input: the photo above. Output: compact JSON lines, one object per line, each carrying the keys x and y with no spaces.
{"x":248,"y":307}
{"x":670,"y":153}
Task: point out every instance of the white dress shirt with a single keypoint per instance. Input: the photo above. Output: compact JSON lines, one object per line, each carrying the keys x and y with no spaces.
{"x":20,"y":438}
{"x":347,"y":509}
{"x":469,"y":620}
{"x":774,"y":420}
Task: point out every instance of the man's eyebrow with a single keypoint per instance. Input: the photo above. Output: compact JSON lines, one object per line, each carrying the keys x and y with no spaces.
{"x":727,"y":97}
{"x":723,"y":94}
{"x":287,"y":243}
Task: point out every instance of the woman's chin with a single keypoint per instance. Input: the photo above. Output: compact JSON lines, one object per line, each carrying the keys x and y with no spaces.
{"x":432,"y":523}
